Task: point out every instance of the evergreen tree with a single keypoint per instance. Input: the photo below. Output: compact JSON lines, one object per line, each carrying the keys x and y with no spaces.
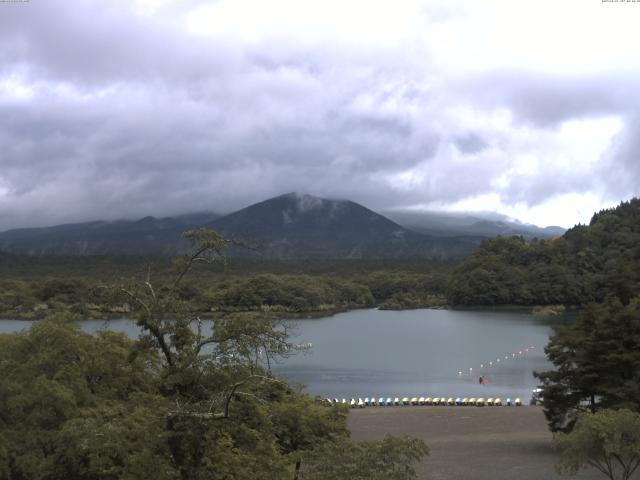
{"x":597,"y":362}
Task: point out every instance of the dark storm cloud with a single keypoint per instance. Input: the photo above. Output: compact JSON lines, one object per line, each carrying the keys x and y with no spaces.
{"x":122,"y":115}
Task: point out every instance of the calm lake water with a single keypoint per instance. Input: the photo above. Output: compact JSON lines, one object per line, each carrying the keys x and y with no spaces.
{"x":364,"y":353}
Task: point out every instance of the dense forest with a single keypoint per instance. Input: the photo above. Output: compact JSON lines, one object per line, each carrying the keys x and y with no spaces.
{"x":587,"y":264}
{"x":32,"y":287}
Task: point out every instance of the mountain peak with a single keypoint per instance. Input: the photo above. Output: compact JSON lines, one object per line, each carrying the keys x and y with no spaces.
{"x":293,"y":208}
{"x":304,"y":202}
{"x":302,"y":225}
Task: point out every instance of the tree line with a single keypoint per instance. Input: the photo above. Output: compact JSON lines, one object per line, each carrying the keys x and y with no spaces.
{"x":587,"y":264}
{"x":268,"y":292}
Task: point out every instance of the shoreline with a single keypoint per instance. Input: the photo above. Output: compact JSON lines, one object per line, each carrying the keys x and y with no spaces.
{"x":314,"y":314}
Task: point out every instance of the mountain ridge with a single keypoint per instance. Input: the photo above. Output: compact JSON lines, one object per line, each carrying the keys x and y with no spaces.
{"x":433,"y":223}
{"x":291,"y":225}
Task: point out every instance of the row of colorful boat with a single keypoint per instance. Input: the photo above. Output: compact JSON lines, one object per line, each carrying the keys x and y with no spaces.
{"x":397,"y":401}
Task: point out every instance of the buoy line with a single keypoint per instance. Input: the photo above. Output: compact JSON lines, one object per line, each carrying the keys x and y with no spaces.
{"x":495,"y":363}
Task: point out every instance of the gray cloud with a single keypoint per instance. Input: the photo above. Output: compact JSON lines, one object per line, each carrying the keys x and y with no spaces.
{"x":470,"y":143}
{"x":545,"y":100}
{"x":130,"y":116}
{"x":621,"y":170}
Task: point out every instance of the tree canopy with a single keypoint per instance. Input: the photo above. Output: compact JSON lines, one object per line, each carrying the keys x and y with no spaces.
{"x":608,"y":440}
{"x":586,"y":264}
{"x":597,"y":363}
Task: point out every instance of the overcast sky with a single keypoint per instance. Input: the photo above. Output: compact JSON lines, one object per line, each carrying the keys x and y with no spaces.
{"x":130,"y":108}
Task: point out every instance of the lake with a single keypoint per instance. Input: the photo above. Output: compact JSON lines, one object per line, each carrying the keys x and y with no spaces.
{"x":364,"y":353}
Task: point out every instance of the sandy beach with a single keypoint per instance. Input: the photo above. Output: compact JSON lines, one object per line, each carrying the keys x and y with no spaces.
{"x":492,"y":443}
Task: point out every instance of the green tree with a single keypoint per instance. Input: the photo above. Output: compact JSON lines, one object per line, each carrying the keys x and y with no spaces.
{"x":608,"y":440}
{"x":219,"y":382}
{"x":587,"y":264}
{"x":67,"y":398}
{"x":392,"y":457}
{"x":596,"y":361}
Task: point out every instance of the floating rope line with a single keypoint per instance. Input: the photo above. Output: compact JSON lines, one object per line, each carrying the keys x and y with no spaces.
{"x":496,"y":362}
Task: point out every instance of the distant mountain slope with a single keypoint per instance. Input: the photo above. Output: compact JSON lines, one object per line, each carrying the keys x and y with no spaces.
{"x":148,"y":235}
{"x":288,"y":226}
{"x":442,"y":224}
{"x":303,"y":226}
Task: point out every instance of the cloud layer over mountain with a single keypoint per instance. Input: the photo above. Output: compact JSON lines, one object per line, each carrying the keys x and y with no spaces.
{"x":119,"y":109}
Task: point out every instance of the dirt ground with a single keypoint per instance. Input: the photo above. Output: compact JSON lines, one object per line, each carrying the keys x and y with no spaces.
{"x":492,"y":443}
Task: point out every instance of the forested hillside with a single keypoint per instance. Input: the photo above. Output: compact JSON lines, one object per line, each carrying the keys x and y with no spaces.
{"x":585,"y":265}
{"x":33,"y":287}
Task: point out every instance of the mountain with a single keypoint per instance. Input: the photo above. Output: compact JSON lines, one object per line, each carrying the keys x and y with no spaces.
{"x":442,"y":224}
{"x":148,"y":235}
{"x":287,"y":226}
{"x":304,"y":226}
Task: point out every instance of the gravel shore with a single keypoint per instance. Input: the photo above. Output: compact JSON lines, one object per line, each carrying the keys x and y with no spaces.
{"x":468,"y":443}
